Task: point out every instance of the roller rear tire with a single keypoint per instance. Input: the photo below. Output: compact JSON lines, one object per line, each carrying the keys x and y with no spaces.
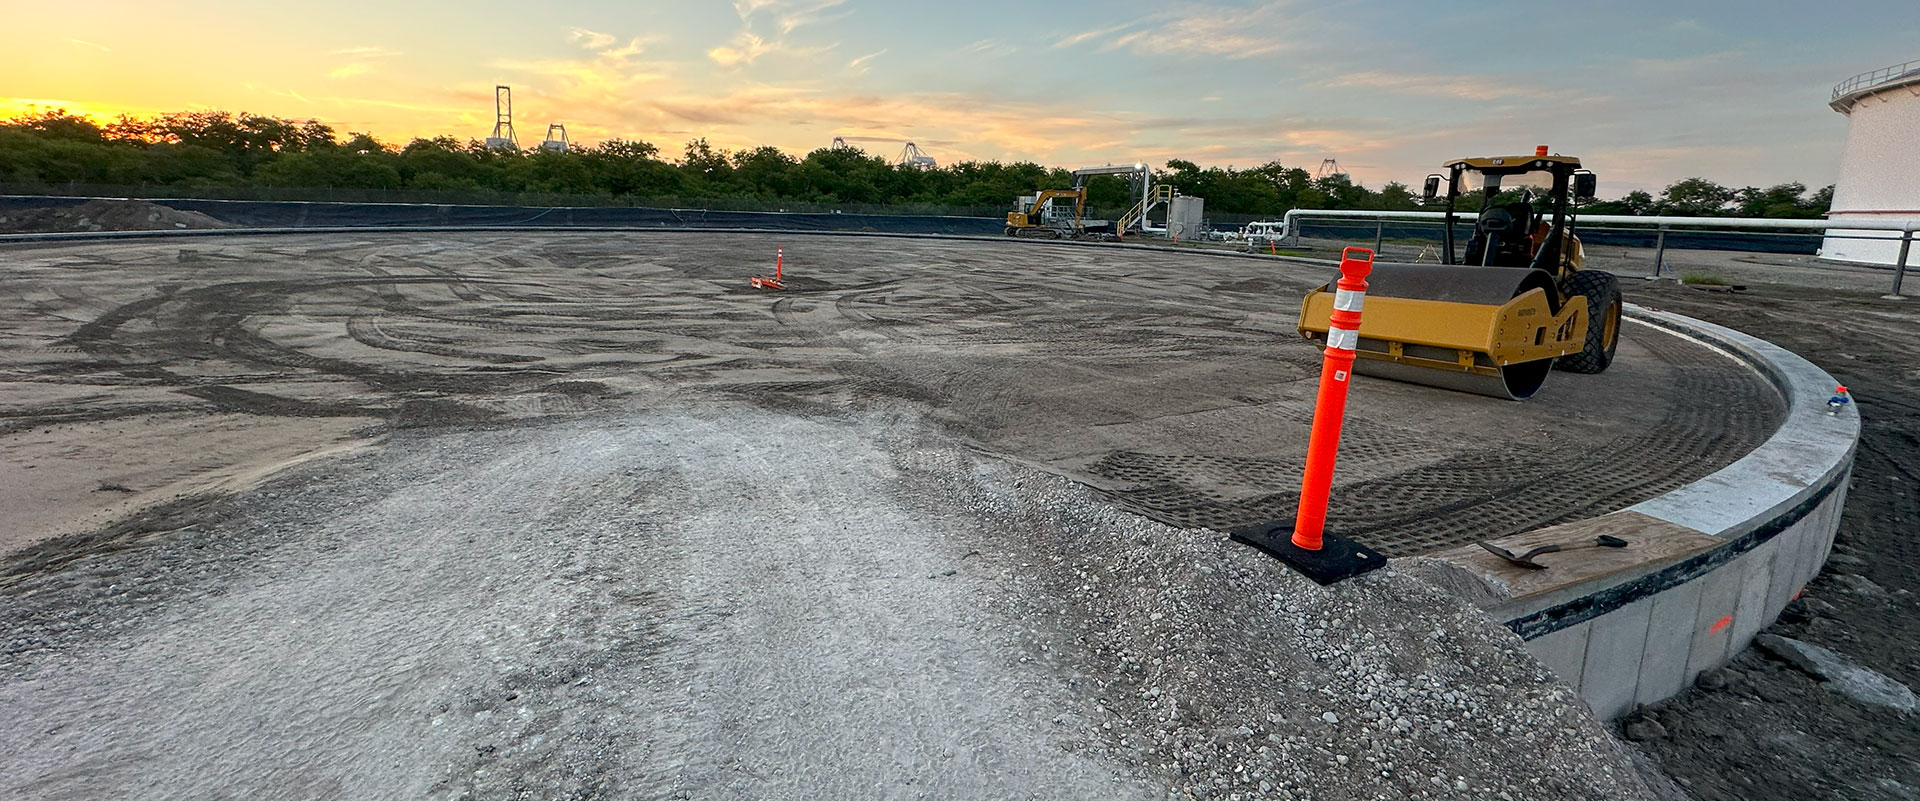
{"x":1602,"y":291}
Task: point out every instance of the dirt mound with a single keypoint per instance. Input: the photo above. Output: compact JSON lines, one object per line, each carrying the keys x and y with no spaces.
{"x":105,"y":215}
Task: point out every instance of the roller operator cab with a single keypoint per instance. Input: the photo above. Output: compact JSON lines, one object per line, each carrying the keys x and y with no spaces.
{"x":1510,"y":301}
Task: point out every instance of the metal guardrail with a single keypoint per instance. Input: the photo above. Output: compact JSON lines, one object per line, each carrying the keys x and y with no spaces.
{"x":1903,"y":231}
{"x":1879,"y":76}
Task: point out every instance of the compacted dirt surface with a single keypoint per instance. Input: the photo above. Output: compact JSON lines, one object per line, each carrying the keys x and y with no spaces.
{"x":585,"y":516}
{"x":1173,"y":383}
{"x":1761,"y":729}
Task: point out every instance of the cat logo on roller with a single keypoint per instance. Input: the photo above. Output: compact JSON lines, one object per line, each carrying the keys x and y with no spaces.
{"x":1498,"y":318}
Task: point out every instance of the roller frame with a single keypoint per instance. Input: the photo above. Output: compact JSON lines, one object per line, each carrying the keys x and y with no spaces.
{"x":1496,"y":332}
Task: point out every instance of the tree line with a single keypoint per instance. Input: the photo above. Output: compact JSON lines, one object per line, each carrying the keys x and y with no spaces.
{"x":217,"y":149}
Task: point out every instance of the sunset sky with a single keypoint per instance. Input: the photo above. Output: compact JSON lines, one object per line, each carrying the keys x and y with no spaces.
{"x":1646,"y":92}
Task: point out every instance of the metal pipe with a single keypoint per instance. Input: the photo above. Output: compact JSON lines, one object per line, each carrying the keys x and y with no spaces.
{"x":1292,"y":216}
{"x":1900,"y":264}
{"x":1146,"y":188}
{"x":1660,"y":252}
{"x":1379,"y":232}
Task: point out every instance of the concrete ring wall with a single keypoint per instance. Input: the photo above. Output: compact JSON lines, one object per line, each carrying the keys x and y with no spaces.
{"x":1741,"y":543}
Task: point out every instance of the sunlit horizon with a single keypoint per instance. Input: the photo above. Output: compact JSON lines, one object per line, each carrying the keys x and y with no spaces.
{"x":1662,"y":92}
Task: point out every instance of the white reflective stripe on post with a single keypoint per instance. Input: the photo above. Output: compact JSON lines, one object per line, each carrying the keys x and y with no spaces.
{"x":1342,"y":338}
{"x":1348,"y":300}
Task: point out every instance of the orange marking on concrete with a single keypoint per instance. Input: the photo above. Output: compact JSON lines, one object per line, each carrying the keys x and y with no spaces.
{"x":1721,"y":624}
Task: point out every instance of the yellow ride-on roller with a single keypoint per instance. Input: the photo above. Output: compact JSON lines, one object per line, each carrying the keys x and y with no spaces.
{"x":1518,"y":304}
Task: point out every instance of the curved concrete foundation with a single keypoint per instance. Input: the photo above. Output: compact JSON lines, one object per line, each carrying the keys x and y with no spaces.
{"x":1712,"y":563}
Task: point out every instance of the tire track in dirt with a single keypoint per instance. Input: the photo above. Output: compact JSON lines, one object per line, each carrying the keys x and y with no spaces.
{"x":211,"y":323}
{"x":1073,"y":337}
{"x":1457,"y":500}
{"x":367,"y":331}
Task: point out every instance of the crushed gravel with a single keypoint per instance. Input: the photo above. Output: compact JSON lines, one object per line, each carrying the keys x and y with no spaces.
{"x":729,"y":603}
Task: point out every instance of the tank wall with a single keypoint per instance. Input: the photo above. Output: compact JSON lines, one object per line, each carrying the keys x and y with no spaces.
{"x":1184,"y":215}
{"x":1879,"y":173}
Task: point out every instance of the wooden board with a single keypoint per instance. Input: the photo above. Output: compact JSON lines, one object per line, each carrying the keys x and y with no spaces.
{"x":1650,"y":541}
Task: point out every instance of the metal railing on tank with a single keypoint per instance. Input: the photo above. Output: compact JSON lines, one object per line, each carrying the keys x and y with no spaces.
{"x":1875,"y":78}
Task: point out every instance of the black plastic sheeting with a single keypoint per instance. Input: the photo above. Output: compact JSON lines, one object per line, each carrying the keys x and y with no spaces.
{"x":1750,"y":242}
{"x":277,"y":214}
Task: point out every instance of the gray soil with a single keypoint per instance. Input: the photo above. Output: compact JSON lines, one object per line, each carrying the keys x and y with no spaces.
{"x":1172,"y":383}
{"x":729,"y":603}
{"x":1762,"y":729}
{"x":630,"y":529}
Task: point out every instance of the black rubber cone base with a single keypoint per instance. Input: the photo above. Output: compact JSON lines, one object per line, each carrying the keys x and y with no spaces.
{"x":1338,"y":558}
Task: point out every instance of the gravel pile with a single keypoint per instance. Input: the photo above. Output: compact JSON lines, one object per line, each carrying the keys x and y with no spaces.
{"x":728,"y":603}
{"x":104,"y":215}
{"x":1226,"y":675}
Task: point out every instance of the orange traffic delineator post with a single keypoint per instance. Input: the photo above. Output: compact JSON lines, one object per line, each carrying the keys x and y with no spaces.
{"x":1303,"y":543}
{"x":763,"y":282}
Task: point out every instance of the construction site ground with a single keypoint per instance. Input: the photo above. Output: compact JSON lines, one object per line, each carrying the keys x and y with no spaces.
{"x":1761,"y":729}
{"x":583,"y":514}
{"x":1175,"y":385}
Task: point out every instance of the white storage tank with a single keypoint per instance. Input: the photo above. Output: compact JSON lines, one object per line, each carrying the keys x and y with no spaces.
{"x":1880,"y":167}
{"x":1184,"y":216}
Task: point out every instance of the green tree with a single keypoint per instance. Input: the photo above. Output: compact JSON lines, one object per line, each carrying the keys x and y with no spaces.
{"x":1695,"y":197}
{"x":766,"y":172}
{"x":220,"y":149}
{"x":1787,"y":200}
{"x":58,"y":124}
{"x":1635,"y":202}
{"x":340,"y":167}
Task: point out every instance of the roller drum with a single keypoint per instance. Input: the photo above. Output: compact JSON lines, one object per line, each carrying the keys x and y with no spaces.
{"x":1458,"y":314}
{"x":1515,"y":381}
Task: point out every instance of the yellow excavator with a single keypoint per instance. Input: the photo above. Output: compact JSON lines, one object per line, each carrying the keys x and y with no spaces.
{"x":1037,"y":216}
{"x":1499,"y":318}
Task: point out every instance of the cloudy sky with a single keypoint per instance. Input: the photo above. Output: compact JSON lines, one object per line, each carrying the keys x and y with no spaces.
{"x":1646,"y":91}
